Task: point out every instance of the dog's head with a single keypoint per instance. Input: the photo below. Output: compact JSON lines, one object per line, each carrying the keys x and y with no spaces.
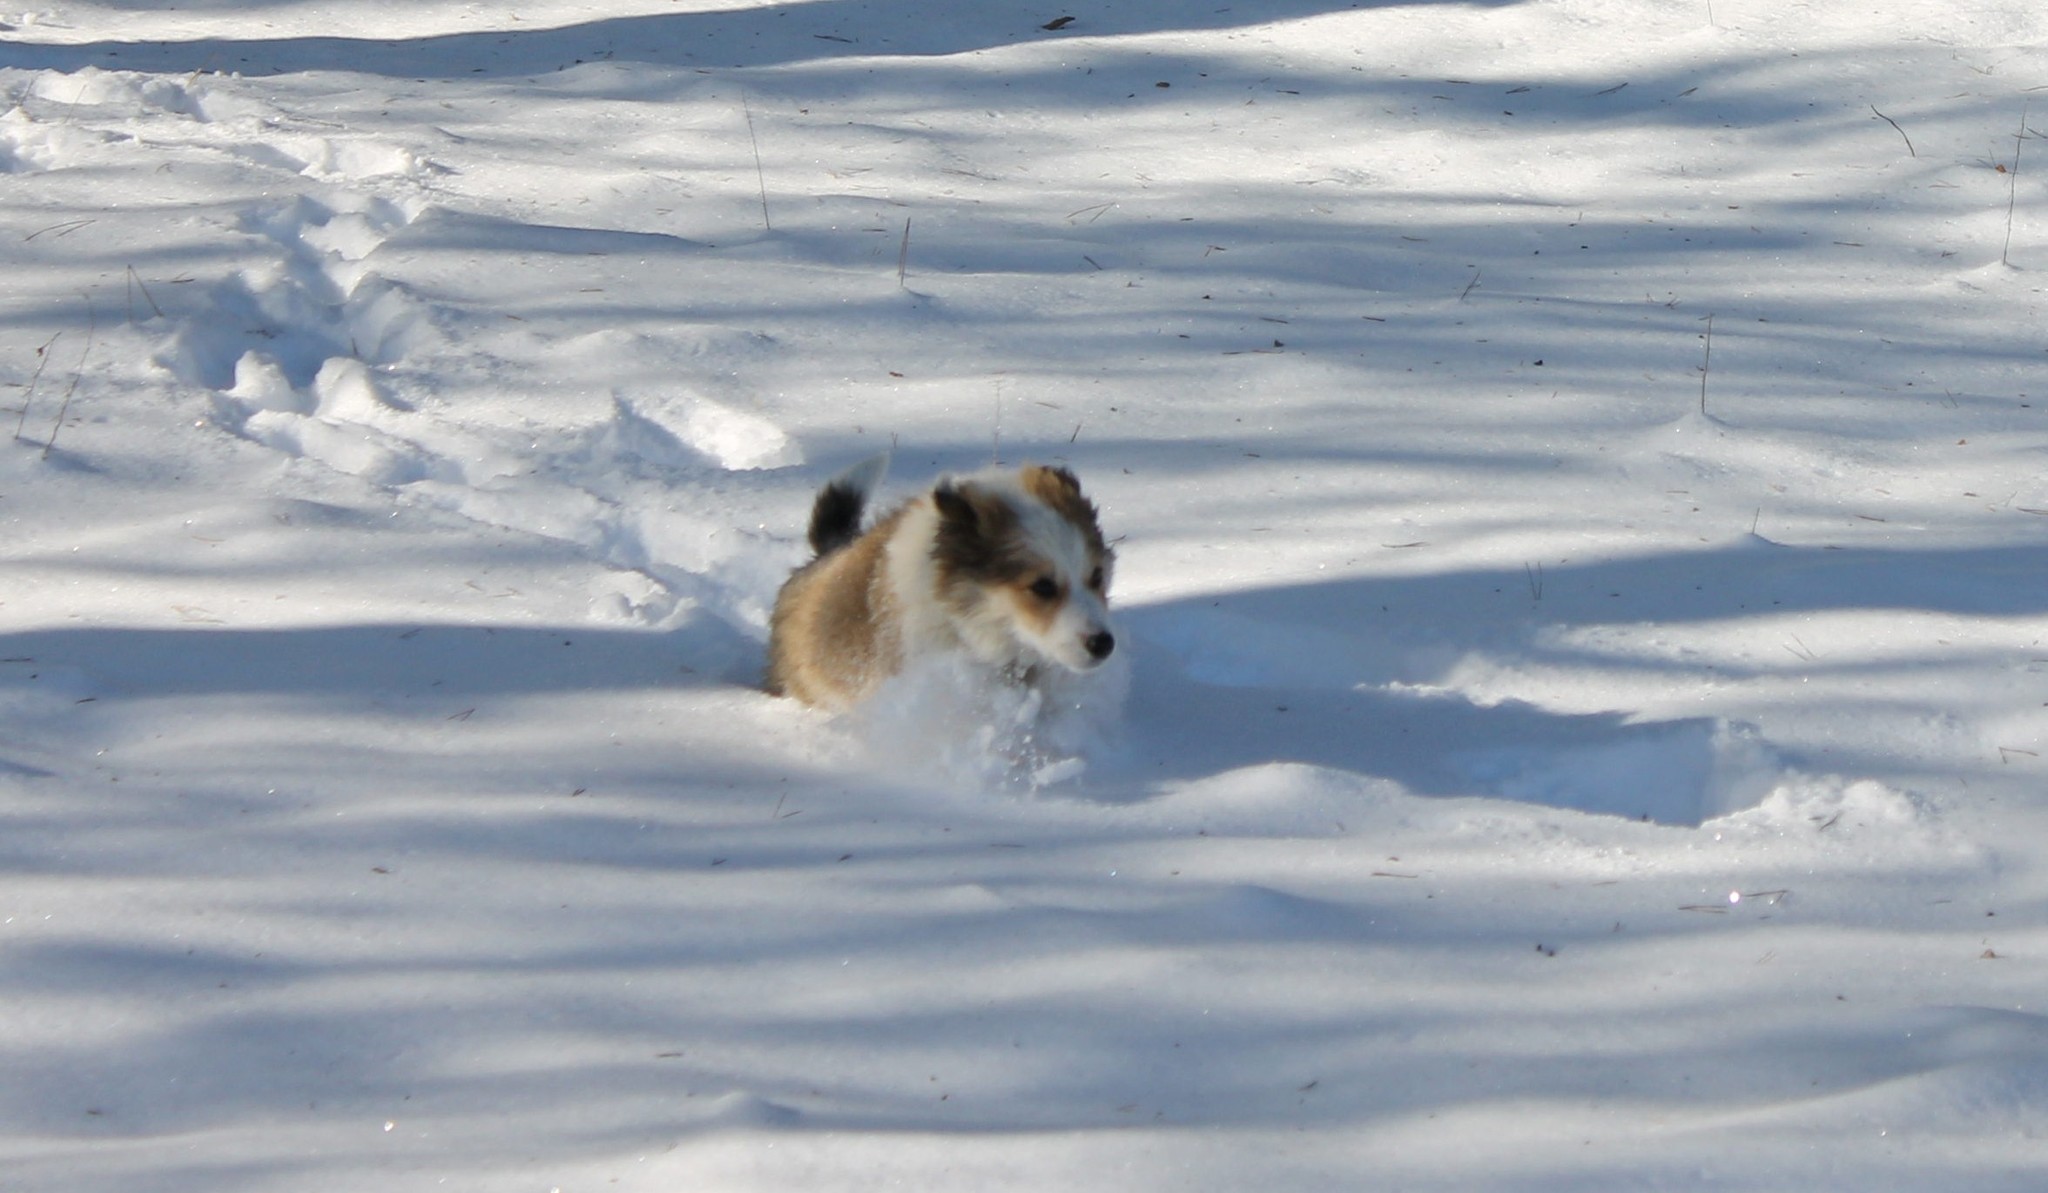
{"x":1021,"y":555}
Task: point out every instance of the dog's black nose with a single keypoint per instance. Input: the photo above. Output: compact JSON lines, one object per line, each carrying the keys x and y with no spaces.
{"x":1100,"y":643}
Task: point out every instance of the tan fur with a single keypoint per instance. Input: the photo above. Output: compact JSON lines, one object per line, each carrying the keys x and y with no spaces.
{"x":833,"y":634}
{"x":1031,"y":609}
{"x":1057,"y":488}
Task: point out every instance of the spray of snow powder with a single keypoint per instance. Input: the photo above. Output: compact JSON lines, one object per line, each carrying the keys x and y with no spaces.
{"x":947,"y":719}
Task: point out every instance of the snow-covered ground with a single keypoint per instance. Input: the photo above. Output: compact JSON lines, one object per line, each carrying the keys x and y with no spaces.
{"x":1579,"y":468}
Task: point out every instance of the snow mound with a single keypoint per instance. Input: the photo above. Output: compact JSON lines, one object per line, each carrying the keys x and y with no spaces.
{"x":1684,"y":773}
{"x":1281,"y":799}
{"x":113,"y":93}
{"x":687,"y":430}
{"x":1830,"y":803}
{"x":1938,"y":1069}
{"x":736,"y":439}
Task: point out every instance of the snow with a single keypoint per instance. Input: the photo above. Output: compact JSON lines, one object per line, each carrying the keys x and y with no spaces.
{"x":1583,"y":580}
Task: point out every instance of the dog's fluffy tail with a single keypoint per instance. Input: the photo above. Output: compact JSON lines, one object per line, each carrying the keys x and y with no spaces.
{"x":835,"y":516}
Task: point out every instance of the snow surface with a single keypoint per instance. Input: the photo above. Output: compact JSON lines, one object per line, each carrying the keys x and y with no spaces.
{"x":1578,"y":467}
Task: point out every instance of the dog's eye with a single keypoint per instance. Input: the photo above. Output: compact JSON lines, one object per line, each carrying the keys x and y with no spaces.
{"x":1044,"y":588}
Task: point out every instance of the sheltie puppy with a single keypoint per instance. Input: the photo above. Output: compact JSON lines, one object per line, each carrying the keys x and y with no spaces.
{"x":1006,"y":568}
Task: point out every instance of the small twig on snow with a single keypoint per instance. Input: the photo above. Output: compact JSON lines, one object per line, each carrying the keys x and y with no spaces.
{"x":42,"y":359}
{"x":2012,"y":191}
{"x":1705,"y":363}
{"x":903,"y":258}
{"x":1895,"y":127}
{"x":760,"y":175}
{"x":62,"y":230}
{"x":92,"y":326}
{"x":134,"y":284}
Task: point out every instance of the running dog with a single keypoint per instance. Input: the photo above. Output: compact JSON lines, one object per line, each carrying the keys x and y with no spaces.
{"x":1008,"y":568}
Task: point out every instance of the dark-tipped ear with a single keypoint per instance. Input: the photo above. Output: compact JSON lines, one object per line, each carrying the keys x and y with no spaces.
{"x":1062,"y":478}
{"x":953,"y":505}
{"x":975,"y":534}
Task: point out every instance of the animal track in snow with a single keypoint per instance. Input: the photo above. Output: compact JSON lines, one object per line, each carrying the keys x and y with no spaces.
{"x":341,"y":336}
{"x":302,"y":354}
{"x":317,"y":300}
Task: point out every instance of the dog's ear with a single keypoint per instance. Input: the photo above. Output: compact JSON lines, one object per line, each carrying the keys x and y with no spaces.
{"x":1061,"y":490}
{"x":1053,"y":483}
{"x":954,"y":507}
{"x":976,"y":533}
